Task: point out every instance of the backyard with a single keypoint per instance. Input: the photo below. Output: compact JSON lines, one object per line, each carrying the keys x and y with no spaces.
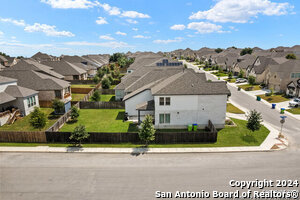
{"x":295,"y":111}
{"x":107,"y":97}
{"x":274,"y":98}
{"x":24,"y":124}
{"x":83,"y":86}
{"x":101,"y":120}
{"x":232,"y":109}
{"x":77,"y":97}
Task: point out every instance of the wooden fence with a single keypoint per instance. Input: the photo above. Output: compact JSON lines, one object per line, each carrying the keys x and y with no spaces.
{"x":81,"y":90}
{"x":26,"y":137}
{"x":102,"y":105}
{"x":45,"y":104}
{"x":81,"y":82}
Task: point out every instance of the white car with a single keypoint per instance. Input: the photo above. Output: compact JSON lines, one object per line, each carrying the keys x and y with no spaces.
{"x":241,"y":80}
{"x":294,"y":102}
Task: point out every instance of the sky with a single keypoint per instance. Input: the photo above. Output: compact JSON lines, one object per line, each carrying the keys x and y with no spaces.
{"x":80,"y":27}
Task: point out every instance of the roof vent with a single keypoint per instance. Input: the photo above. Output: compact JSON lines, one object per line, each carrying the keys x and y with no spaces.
{"x":192,"y":84}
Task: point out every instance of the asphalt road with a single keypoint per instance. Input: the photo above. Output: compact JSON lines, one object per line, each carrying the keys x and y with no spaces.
{"x":121,"y":176}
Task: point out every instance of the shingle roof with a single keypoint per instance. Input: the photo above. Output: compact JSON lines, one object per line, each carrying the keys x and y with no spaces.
{"x":3,"y":59}
{"x":285,"y":69}
{"x":4,"y":79}
{"x":18,"y":91}
{"x":41,"y":56}
{"x":35,"y":80}
{"x":4,"y":98}
{"x":148,"y":105}
{"x":64,"y":68}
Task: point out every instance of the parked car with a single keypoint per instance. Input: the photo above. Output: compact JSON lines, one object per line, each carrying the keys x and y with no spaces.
{"x":295,"y":102}
{"x":241,"y":80}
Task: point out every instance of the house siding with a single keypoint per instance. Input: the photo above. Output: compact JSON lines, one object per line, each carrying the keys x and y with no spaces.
{"x":130,"y":104}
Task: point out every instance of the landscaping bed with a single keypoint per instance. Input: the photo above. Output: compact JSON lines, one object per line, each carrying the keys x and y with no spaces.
{"x":232,"y":109}
{"x":101,"y":120}
{"x":249,"y":87}
{"x":274,"y":98}
{"x":24,"y":124}
{"x":295,"y":111}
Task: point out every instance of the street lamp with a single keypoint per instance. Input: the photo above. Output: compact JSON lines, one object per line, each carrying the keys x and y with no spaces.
{"x":282,"y":122}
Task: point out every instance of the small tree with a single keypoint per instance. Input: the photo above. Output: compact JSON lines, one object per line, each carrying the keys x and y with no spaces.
{"x":241,"y":74}
{"x":74,"y":113}
{"x":111,"y":79}
{"x":251,"y":80}
{"x":38,"y":119}
{"x":100,"y":73}
{"x":185,"y":66}
{"x":218,"y":50}
{"x":105,"y":83}
{"x":58,"y":106}
{"x":96,"y":96}
{"x":79,"y":134}
{"x":96,"y":79}
{"x":291,"y":56}
{"x":246,"y":51}
{"x":147,"y":131}
{"x":254,"y":120}
{"x":229,"y":75}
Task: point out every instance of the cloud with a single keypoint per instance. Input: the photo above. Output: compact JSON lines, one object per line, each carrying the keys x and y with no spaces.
{"x":13,"y":21}
{"x":48,"y":30}
{"x":17,"y":44}
{"x":131,"y":21}
{"x":1,"y":33}
{"x":101,"y":20}
{"x":178,"y":27}
{"x":66,"y":4}
{"x":109,"y":9}
{"x":134,"y":14}
{"x":177,"y":39}
{"x":106,"y":37}
{"x":204,"y":27}
{"x":113,"y":44}
{"x":141,"y":37}
{"x":238,"y":11}
{"x":135,"y":29}
{"x":121,"y":33}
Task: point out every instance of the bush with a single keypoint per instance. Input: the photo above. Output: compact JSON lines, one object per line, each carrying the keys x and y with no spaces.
{"x":291,"y":56}
{"x":254,"y":120}
{"x":100,"y":73}
{"x":74,"y":113}
{"x":105,"y":83}
{"x":251,"y":80}
{"x":79,"y":134}
{"x":218,"y":50}
{"x":96,"y":96}
{"x":111,"y":79}
{"x":246,"y":51}
{"x":147,"y":131}
{"x":241,"y":74}
{"x":96,"y":79}
{"x":58,"y":106}
{"x":230,"y":75}
{"x":228,"y":122}
{"x":38,"y":119}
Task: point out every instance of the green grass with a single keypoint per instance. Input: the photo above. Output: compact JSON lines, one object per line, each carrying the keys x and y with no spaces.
{"x":83,"y":86}
{"x":295,"y":111}
{"x":112,"y":86}
{"x":230,"y":80}
{"x":248,"y":87}
{"x":232,"y":109}
{"x":218,"y":74}
{"x":227,"y":137}
{"x":274,"y":98}
{"x":207,"y":69}
{"x":24,"y":124}
{"x":107,"y":97}
{"x":77,"y":97}
{"x":101,"y":120}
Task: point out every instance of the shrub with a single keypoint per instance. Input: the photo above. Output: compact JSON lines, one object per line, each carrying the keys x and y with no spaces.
{"x":74,"y":113}
{"x":111,"y":79}
{"x":254,"y":120}
{"x":218,"y":50}
{"x":241,"y":74}
{"x":251,"y":80}
{"x":246,"y":51}
{"x":291,"y":56}
{"x":79,"y":134}
{"x":96,"y":79}
{"x":58,"y":106}
{"x":230,"y":75}
{"x":96,"y":96}
{"x":105,"y":83}
{"x":38,"y":119}
{"x":100,"y":73}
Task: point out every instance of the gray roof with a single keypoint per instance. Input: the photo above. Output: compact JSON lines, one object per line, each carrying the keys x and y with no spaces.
{"x":41,"y":56}
{"x":4,"y":98}
{"x":18,"y":91}
{"x":4,"y":79}
{"x":285,"y":69}
{"x":35,"y":80}
{"x":144,"y":60}
{"x":148,"y":105}
{"x":64,"y":68}
{"x":3,"y":59}
{"x":263,"y":63}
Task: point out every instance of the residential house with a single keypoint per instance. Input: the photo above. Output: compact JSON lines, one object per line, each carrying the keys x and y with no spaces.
{"x":243,"y":62}
{"x":68,"y":70}
{"x":179,"y":100}
{"x":3,"y":61}
{"x":15,"y":99}
{"x":49,"y":87}
{"x":40,"y":57}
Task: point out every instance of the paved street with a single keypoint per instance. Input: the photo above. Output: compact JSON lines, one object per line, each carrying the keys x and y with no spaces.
{"x":122,"y":176}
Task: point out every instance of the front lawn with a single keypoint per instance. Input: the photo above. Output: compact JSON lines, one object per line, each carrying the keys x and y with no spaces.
{"x":249,"y":87}
{"x":83,"y":86}
{"x":232,"y":109}
{"x":274,"y":98}
{"x":107,"y":97}
{"x":230,"y":80}
{"x":77,"y":97}
{"x":295,"y":111}
{"x":218,"y":74}
{"x":101,"y":120}
{"x":24,"y":124}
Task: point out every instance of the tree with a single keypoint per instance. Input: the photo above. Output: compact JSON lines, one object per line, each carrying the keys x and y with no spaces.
{"x":147,"y":131}
{"x":233,"y":47}
{"x":96,"y":79}
{"x":185,"y":66}
{"x":254,"y":120}
{"x":58,"y":106}
{"x":241,"y":74}
{"x":79,"y":134}
{"x":74,"y":113}
{"x":105,"y":83}
{"x":111,"y":79}
{"x":246,"y":51}
{"x":251,"y":80}
{"x":96,"y":96}
{"x":38,"y":119}
{"x":100,"y":73}
{"x":291,"y":56}
{"x":122,"y":61}
{"x":229,"y":75}
{"x":115,"y":57}
{"x":218,"y":50}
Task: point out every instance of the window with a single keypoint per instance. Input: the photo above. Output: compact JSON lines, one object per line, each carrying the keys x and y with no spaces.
{"x":28,"y":102}
{"x":168,"y":101}
{"x":161,"y":101}
{"x":58,"y":94}
{"x":295,"y":75}
{"x":34,"y":101}
{"x":164,"y":118}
